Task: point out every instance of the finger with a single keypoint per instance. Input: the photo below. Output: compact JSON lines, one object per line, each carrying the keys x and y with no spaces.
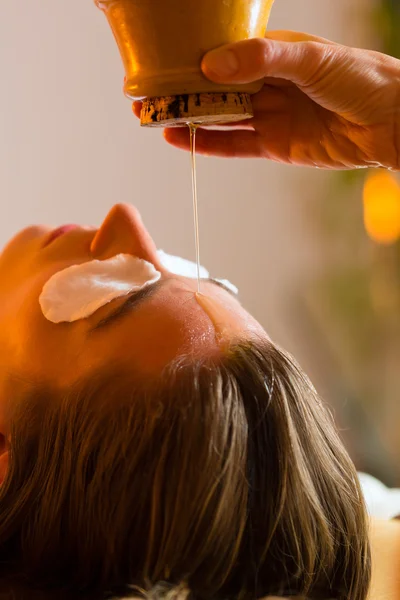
{"x":239,"y":144}
{"x":278,"y":82}
{"x":297,"y":36}
{"x":255,"y":59}
{"x":271,"y":99}
{"x":136,"y":108}
{"x":245,"y":124}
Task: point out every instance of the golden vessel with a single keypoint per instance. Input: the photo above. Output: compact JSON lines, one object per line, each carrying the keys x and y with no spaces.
{"x":162,"y":43}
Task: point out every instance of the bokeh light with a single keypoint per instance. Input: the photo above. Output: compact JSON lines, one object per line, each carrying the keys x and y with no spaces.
{"x":382,"y":207}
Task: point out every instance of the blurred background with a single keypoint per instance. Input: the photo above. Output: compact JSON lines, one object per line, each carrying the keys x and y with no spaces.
{"x":316,"y":255}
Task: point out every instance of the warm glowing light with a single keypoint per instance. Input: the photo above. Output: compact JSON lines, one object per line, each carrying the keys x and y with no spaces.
{"x":382,"y":207}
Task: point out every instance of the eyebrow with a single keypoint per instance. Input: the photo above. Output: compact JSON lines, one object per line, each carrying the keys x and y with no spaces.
{"x":138,"y":297}
{"x":221,"y":285}
{"x":131,"y":303}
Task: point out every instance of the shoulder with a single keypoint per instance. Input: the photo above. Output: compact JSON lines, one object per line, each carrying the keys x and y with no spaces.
{"x":385,"y":554}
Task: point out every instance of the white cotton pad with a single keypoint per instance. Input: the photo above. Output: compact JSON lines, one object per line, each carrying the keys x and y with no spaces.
{"x":181,"y":266}
{"x":229,"y":285}
{"x":187,"y":268}
{"x":78,"y":291}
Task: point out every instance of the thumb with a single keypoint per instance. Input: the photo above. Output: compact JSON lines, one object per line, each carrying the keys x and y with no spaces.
{"x":254,"y":59}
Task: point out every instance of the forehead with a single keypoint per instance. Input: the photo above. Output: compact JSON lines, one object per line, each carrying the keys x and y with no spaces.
{"x":173,"y":323}
{"x":169,"y":324}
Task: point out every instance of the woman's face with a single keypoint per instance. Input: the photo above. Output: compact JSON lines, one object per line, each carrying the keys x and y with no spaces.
{"x":147,"y":335}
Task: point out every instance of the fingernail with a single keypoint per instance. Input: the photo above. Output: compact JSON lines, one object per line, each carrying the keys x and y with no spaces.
{"x":221,"y":62}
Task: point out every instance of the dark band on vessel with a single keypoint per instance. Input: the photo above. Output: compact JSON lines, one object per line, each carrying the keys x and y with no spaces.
{"x":208,"y":108}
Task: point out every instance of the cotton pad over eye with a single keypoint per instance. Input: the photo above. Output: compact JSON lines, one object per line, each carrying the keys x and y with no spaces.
{"x":78,"y":291}
{"x":181,"y":266}
{"x":187,"y":268}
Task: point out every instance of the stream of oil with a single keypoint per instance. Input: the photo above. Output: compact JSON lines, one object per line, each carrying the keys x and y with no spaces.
{"x":210,"y":307}
{"x":192,"y":129}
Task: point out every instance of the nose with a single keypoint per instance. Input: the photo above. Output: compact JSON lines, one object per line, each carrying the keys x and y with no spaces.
{"x":123,"y":232}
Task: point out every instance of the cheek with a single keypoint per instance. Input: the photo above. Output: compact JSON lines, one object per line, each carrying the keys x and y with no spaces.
{"x":33,"y":346}
{"x":18,"y":258}
{"x":22,"y":324}
{"x":27,"y":239}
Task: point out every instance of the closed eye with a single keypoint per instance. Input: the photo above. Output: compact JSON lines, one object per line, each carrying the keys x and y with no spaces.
{"x":132,"y":302}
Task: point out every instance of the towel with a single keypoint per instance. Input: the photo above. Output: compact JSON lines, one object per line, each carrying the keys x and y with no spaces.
{"x":382,"y":502}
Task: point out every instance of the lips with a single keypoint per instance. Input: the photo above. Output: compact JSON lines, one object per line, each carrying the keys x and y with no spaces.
{"x":56,"y":233}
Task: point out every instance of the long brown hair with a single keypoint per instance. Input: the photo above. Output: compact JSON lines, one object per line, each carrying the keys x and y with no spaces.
{"x":222,"y":479}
